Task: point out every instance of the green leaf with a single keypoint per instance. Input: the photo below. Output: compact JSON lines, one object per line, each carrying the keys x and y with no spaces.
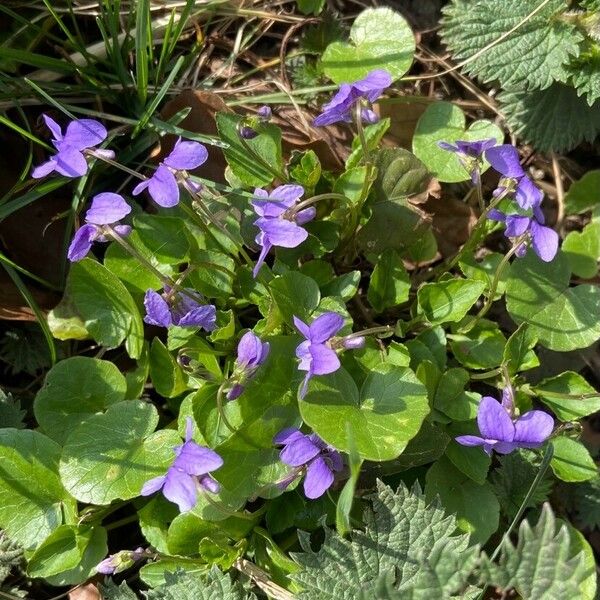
{"x":485,"y":269}
{"x":32,"y":498}
{"x":295,"y":294}
{"x":585,"y":74}
{"x":380,"y":38}
{"x":518,"y":352}
{"x":583,"y":194}
{"x":584,"y":502}
{"x":344,"y":286}
{"x":11,"y":414}
{"x":553,"y":120}
{"x":448,"y":301}
{"x":532,"y":56}
{"x":541,"y":565}
{"x":413,"y":542}
{"x":74,"y":390}
{"x":165,"y":237}
{"x":111,"y":591}
{"x":106,"y":307}
{"x":111,"y":455}
{"x":451,"y":398}
{"x":308,"y":7}
{"x":351,"y":183}
{"x":572,"y":461}
{"x":563,"y":318}
{"x":572,"y":384}
{"x":513,"y":479}
{"x":69,"y":554}
{"x":579,"y":544}
{"x":190,"y":586}
{"x":446,"y":122}
{"x":214,"y":274}
{"x":168,"y":378}
{"x":306,"y":170}
{"x":386,"y":413}
{"x":471,"y":461}
{"x":155,"y":517}
{"x":373,"y":135}
{"x":389,"y":284}
{"x":476,"y":506}
{"x":346,"y":497}
{"x":481,"y":348}
{"x":582,"y":248}
{"x":252,"y":171}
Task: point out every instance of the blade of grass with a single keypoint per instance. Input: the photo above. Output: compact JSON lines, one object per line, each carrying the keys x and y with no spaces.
{"x":37,"y":60}
{"x":143,"y":42}
{"x":31,"y":302}
{"x":41,"y":280}
{"x":26,"y":134}
{"x":49,"y":98}
{"x":36,"y":193}
{"x":172,"y":35}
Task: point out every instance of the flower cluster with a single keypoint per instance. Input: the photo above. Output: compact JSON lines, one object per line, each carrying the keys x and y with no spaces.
{"x":178,"y":308}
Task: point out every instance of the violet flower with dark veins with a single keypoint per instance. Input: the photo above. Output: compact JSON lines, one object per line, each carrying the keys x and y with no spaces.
{"x":70,"y":161}
{"x":188,"y":475}
{"x":162,"y":186}
{"x":505,"y":160}
{"x":251,"y":353}
{"x":279,"y":224}
{"x":105,"y":212}
{"x":178,"y":308}
{"x":470,"y":154}
{"x":341,"y":105}
{"x":309,"y":454}
{"x":500,"y":432}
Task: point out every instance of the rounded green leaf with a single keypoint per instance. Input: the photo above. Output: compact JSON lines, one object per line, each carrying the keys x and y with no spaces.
{"x":32,"y":497}
{"x":448,"y":301}
{"x":563,"y":318}
{"x":386,"y":414}
{"x":572,"y":461}
{"x":555,"y":391}
{"x":110,"y":456}
{"x":446,"y":122}
{"x":74,"y":390}
{"x":380,"y":38}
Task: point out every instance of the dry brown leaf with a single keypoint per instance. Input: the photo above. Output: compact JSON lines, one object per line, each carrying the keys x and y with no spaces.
{"x":85,"y":592}
{"x":403,"y":113}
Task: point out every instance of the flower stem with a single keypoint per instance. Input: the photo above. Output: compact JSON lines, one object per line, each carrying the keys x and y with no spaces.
{"x":318,"y":198}
{"x":116,"y":164}
{"x":361,"y":132}
{"x":370,"y":331}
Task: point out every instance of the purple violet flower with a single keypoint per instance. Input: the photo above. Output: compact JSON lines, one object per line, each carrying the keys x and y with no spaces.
{"x":162,"y":186}
{"x":278,"y":223}
{"x":251,"y":353}
{"x":264,"y":113}
{"x":189,"y":473}
{"x":316,"y":355}
{"x":178,"y":309}
{"x":106,"y":209}
{"x":470,"y":154}
{"x":116,"y":563}
{"x":503,"y":434}
{"x":311,"y":454}
{"x":70,"y":161}
{"x":341,"y":105}
{"x":505,"y":160}
{"x":544,"y":240}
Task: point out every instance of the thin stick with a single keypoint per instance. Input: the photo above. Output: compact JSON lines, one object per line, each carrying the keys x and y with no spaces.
{"x":261,"y":579}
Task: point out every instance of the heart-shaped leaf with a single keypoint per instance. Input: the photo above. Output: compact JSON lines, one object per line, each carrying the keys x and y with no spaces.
{"x":384,"y":416}
{"x":379,"y":39}
{"x":446,"y":122}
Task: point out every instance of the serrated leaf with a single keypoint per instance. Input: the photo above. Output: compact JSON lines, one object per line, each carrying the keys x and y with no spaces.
{"x":541,"y":566}
{"x":584,"y":502}
{"x":11,"y":414}
{"x":405,"y":538}
{"x":562,"y":317}
{"x":10,"y":556}
{"x":185,"y":586}
{"x":553,"y":120}
{"x":533,"y":56}
{"x":585,"y":75}
{"x":111,"y":591}
{"x":380,"y":38}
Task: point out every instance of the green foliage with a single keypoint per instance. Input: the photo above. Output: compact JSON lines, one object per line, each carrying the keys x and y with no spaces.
{"x":583,"y":194}
{"x":448,"y":301}
{"x":390,"y":283}
{"x":380,"y":38}
{"x":584,"y":503}
{"x":583,"y":250}
{"x":406,"y":540}
{"x":560,"y":395}
{"x":572,"y":461}
{"x":446,"y":122}
{"x":11,"y":414}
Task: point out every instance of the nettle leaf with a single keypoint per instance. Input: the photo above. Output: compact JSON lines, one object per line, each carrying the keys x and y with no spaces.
{"x":10,"y":556}
{"x":553,"y":120}
{"x":448,"y":301}
{"x":246,"y":167}
{"x":111,"y":455}
{"x":185,"y":586}
{"x":112,"y":591}
{"x":69,"y":555}
{"x":109,"y":313}
{"x":11,"y":414}
{"x":389,"y":283}
{"x":568,"y":383}
{"x":583,"y":250}
{"x":32,"y":497}
{"x":384,"y":415}
{"x":512,"y":480}
{"x":475,"y":505}
{"x":446,"y":122}
{"x":533,"y":56}
{"x":584,"y":502}
{"x":74,"y":390}
{"x":563,"y":318}
{"x":380,"y":38}
{"x":585,"y":75}
{"x":572,"y":461}
{"x":410,"y":542}
{"x":542,"y":564}
{"x":583,"y":194}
